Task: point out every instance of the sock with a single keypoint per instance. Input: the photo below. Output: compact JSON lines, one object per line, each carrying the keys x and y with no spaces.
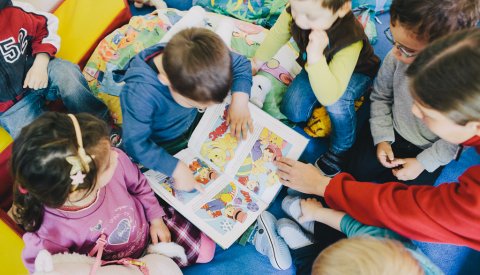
{"x":295,"y":211}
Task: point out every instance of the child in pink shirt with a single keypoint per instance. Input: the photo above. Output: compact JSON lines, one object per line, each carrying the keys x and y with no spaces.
{"x":73,"y":188}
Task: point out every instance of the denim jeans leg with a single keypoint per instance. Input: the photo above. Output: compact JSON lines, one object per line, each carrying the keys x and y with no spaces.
{"x":299,"y":100}
{"x":67,"y":83}
{"x":342,"y":114}
{"x":22,"y":113}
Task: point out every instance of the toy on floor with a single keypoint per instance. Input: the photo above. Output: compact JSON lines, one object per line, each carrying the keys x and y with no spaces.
{"x":319,"y":125}
{"x":260,"y":87}
{"x":158,"y":4}
{"x":158,"y":261}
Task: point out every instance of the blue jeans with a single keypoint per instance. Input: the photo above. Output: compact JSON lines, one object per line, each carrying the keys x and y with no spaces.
{"x":65,"y":82}
{"x":454,"y":259}
{"x":299,"y":102}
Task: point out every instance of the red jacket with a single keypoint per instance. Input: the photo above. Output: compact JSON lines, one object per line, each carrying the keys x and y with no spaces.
{"x":449,"y":213}
{"x":24,"y":32}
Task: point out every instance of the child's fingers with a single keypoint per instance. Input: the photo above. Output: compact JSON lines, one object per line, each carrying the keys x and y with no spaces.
{"x":237,"y":130}
{"x":244,"y":130}
{"x":165,"y":237}
{"x":154,"y":237}
{"x":284,"y":161}
{"x":398,"y":162}
{"x":250,"y":125}
{"x":283,"y":167}
{"x":27,"y":79}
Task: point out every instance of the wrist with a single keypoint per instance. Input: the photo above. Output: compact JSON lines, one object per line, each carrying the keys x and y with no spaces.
{"x":323,"y":182}
{"x":240,"y":97}
{"x":41,"y":60}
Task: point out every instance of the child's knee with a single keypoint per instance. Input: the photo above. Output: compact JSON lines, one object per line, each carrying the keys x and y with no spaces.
{"x":207,"y":249}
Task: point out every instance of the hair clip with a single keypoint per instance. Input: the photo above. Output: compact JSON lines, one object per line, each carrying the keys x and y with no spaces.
{"x":22,"y":190}
{"x":77,"y":179}
{"x":81,"y":162}
{"x":77,"y":165}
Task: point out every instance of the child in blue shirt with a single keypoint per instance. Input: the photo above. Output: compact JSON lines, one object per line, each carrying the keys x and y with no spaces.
{"x":166,"y":89}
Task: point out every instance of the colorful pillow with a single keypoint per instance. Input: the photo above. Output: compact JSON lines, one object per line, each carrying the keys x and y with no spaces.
{"x":115,"y":50}
{"x":261,"y":12}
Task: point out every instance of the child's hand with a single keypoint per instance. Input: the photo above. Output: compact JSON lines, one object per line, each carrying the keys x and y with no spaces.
{"x":159,"y":231}
{"x":256,"y":65}
{"x":318,"y":41}
{"x":410,"y":169}
{"x":310,"y":208}
{"x":238,"y":117}
{"x":385,"y":155}
{"x":37,"y":76}
{"x":184,"y":180}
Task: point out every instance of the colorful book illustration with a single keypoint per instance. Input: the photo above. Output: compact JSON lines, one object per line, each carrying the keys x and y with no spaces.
{"x":239,"y":176}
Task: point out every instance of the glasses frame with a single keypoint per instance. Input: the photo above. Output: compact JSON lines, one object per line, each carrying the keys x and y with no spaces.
{"x":406,"y":53}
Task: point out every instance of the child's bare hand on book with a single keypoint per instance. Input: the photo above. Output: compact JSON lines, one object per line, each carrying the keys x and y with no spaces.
{"x":159,"y":231}
{"x":238,"y":117}
{"x":37,"y":76}
{"x":301,"y":177}
{"x":184,"y":180}
{"x":385,"y":155}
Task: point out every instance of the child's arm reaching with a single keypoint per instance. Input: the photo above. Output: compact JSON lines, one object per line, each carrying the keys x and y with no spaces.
{"x":313,"y":210}
{"x":278,"y":35}
{"x":239,"y":118}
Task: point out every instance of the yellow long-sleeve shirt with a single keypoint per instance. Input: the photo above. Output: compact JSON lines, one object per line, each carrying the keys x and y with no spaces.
{"x":328,"y":80}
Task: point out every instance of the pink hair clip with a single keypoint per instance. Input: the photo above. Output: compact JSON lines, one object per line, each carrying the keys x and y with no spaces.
{"x":22,"y":190}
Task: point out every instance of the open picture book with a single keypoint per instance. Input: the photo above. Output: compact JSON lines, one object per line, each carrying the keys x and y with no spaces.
{"x":239,"y":176}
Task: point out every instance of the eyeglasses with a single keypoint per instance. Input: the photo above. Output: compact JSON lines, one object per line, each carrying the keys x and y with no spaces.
{"x":405,"y":52}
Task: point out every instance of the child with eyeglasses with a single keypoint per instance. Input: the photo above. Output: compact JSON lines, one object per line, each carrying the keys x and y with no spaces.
{"x":400,"y":146}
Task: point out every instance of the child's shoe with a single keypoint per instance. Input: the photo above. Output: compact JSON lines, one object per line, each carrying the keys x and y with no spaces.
{"x":293,"y":234}
{"x":329,"y":163}
{"x":291,"y":206}
{"x":268,"y":243}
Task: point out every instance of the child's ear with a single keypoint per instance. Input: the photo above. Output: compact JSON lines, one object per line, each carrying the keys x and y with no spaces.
{"x":474,"y":126}
{"x":347,"y":7}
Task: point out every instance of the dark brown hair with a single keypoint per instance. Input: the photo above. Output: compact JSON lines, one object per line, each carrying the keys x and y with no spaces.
{"x":198,"y":65}
{"x":431,"y":19}
{"x":40,"y":167}
{"x":445,"y":76}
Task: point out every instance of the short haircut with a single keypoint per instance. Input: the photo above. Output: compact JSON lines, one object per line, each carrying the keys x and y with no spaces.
{"x":198,"y":65}
{"x":366,"y":255}
{"x":431,"y":19}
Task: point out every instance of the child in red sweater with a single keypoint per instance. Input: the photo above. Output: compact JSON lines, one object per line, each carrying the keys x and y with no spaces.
{"x":30,"y":73}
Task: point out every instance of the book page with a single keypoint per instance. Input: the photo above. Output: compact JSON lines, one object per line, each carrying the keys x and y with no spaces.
{"x":202,"y":171}
{"x":252,"y":163}
{"x":227,"y":213}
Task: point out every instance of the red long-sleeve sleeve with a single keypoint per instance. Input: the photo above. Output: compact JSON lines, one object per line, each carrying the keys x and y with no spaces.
{"x":449,"y":213}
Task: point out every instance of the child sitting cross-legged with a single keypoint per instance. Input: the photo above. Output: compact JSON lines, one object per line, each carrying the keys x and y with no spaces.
{"x":168,"y":86}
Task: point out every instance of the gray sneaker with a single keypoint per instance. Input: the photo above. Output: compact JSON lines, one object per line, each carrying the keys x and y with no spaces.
{"x":269,"y":243}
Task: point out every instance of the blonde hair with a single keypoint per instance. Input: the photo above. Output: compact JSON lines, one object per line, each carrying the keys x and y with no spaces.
{"x":366,"y":256}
